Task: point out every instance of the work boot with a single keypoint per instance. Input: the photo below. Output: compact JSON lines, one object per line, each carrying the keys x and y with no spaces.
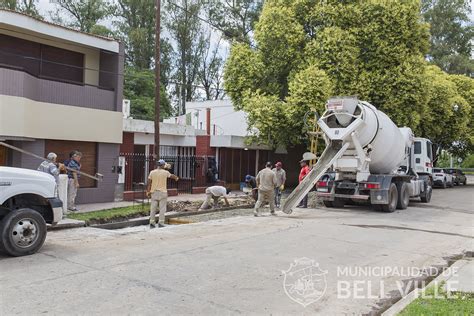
{"x":152,"y":225}
{"x":255,"y":213}
{"x":160,"y":225}
{"x":273,"y":213}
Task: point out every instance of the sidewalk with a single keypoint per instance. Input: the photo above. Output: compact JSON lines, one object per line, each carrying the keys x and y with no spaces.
{"x":92,"y":207}
{"x":462,"y":279}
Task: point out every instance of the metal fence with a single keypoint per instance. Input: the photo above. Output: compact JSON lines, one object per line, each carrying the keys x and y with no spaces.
{"x":193,"y":171}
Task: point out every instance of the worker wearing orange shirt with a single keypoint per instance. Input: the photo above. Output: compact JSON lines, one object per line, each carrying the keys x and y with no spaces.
{"x":303,"y":173}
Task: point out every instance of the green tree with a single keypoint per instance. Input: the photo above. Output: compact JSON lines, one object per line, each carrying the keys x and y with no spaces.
{"x":465,"y":88}
{"x":452,"y":34}
{"x":446,"y":118}
{"x":139,"y":88}
{"x":235,"y":19}
{"x":136,"y":27}
{"x":84,"y":14}
{"x":468,"y":162}
{"x":210,"y":70}
{"x":380,"y":59}
{"x":186,"y":31}
{"x":24,"y":6}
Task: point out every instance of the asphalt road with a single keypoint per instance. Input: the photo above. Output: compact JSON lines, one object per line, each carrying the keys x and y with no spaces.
{"x":236,"y":265}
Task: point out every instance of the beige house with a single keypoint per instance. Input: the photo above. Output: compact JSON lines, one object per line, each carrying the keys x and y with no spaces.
{"x":61,"y":90}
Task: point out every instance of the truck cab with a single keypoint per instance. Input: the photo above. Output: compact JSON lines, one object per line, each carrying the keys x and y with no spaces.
{"x":423,"y":155}
{"x":28,"y":201}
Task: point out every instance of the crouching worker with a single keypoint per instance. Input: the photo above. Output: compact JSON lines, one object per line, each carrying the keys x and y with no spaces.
{"x":157,"y":190}
{"x":215,"y":193}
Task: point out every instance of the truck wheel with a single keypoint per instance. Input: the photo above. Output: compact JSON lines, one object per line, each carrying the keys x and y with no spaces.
{"x":403,"y":196}
{"x":22,"y":232}
{"x":444,"y":184}
{"x":328,"y":203}
{"x":339,"y":203}
{"x":392,"y":200}
{"x":464,"y":182}
{"x":426,"y":196}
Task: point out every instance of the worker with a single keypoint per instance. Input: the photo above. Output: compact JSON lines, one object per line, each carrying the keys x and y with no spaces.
{"x":74,"y":162}
{"x":252,"y":184}
{"x":50,"y":166}
{"x":157,"y":190}
{"x":266,"y":183}
{"x":281,"y":179}
{"x":215,"y":193}
{"x":303,"y":173}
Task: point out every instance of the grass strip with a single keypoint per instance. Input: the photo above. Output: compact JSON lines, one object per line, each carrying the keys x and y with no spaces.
{"x":436,"y":301}
{"x":113,"y":213}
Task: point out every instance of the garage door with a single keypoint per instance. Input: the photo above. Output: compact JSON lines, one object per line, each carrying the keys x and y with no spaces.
{"x":89,"y":157}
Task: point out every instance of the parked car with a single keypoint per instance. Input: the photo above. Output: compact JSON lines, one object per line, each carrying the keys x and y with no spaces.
{"x":442,"y":178}
{"x":458,"y":176}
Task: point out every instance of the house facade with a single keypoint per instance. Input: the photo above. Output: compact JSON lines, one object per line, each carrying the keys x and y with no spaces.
{"x":211,"y":134}
{"x":61,"y":90}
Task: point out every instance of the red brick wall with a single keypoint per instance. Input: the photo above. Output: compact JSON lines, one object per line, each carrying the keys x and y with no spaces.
{"x":127,"y":145}
{"x":203,"y":146}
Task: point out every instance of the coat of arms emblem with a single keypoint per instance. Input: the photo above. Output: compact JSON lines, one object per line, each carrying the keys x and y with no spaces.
{"x":304,"y":282}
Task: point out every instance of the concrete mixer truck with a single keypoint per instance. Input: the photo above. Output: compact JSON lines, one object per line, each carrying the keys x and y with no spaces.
{"x":367,"y":160}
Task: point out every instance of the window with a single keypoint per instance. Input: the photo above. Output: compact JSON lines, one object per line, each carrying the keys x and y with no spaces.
{"x":88,"y":161}
{"x":41,"y":60}
{"x":429,"y":150}
{"x":417,"y":148}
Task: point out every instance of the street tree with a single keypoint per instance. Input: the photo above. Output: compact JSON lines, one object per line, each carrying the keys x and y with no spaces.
{"x":210,"y":75}
{"x":447,"y":114}
{"x":452,"y":34}
{"x":381,"y":59}
{"x":28,"y":7}
{"x":139,"y":88}
{"x":186,"y":30}
{"x":84,"y":15}
{"x":234,"y":18}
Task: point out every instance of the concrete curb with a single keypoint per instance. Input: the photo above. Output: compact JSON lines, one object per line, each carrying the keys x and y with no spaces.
{"x":413,"y":295}
{"x":171,"y":218}
{"x":67,"y":223}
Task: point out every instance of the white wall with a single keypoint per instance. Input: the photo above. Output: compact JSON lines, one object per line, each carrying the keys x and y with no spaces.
{"x":227,"y":120}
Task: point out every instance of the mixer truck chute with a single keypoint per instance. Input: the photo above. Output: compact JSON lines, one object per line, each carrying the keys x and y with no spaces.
{"x":367,"y":159}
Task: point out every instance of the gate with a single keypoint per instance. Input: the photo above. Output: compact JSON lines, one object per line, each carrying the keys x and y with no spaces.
{"x":193,"y":171}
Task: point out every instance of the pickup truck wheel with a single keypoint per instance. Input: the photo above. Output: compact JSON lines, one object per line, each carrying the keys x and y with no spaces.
{"x":22,"y":232}
{"x":403,"y":196}
{"x":392,"y":200}
{"x":426,"y":196}
{"x":464,"y":182}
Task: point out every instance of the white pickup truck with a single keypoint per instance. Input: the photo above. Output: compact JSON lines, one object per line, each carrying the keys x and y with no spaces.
{"x":28,"y":201}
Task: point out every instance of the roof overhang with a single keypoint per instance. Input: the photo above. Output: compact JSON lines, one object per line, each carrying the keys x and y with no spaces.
{"x":40,"y":28}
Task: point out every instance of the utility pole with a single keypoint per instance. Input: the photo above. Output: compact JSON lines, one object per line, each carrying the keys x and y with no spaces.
{"x":157,"y":79}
